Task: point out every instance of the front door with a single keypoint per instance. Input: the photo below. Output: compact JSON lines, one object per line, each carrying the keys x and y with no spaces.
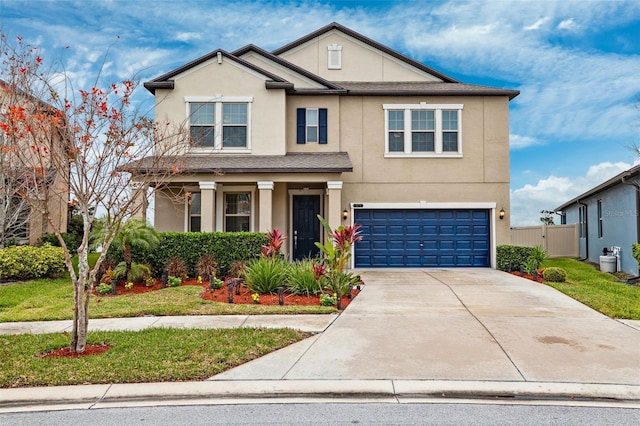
{"x":306,"y":226}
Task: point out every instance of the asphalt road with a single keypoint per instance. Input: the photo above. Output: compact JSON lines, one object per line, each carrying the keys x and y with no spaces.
{"x":336,"y":414}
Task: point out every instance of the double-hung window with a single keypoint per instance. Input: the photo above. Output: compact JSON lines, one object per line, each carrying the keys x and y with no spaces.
{"x":221,"y":123}
{"x":423,"y":130}
{"x":311,"y":125}
{"x":600,"y":220}
{"x":237,"y":211}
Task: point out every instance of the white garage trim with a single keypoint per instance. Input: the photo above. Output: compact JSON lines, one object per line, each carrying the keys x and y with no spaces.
{"x":424,"y":205}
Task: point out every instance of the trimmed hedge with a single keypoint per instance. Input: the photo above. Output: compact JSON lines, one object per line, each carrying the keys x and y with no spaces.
{"x":556,"y":275}
{"x":225,"y":247}
{"x":27,"y":262}
{"x":515,"y":256}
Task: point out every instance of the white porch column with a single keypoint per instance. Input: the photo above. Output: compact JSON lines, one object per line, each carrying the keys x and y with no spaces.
{"x":334,"y":208}
{"x":266,"y":206}
{"x":207,"y":212}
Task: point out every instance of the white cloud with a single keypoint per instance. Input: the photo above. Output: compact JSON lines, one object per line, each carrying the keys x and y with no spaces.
{"x":549,"y":193}
{"x":568,"y":24}
{"x":520,"y":142}
{"x":536,"y":25}
{"x":188,"y":36}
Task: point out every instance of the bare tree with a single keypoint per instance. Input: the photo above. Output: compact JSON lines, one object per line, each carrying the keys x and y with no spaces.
{"x":14,"y":208}
{"x":82,"y":142}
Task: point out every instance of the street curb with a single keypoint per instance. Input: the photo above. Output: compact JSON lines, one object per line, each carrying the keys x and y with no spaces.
{"x":392,"y":391}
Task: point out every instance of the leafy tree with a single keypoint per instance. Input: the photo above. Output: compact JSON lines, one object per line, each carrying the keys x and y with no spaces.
{"x":547,"y":217}
{"x":81,"y":141}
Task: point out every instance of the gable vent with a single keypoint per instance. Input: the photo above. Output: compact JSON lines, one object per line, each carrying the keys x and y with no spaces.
{"x":334,"y":56}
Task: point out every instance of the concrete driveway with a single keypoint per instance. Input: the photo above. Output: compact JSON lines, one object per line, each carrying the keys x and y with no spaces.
{"x":459,"y":324}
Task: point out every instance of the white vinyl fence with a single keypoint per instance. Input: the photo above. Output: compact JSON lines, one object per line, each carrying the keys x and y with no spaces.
{"x":556,"y":240}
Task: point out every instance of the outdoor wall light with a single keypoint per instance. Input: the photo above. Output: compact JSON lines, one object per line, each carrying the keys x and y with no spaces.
{"x":345,"y":214}
{"x":501,"y":214}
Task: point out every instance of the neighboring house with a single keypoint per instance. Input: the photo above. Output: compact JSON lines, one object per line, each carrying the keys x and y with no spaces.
{"x":339,"y":125}
{"x":21,"y":210}
{"x":608,"y":216}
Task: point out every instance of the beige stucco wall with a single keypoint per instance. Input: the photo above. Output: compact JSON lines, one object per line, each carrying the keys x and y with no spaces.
{"x":360,"y":62}
{"x":229,"y":80}
{"x":299,"y":81}
{"x":332,"y":103}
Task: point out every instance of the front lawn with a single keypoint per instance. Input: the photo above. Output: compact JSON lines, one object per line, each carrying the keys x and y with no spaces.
{"x":151,"y":355}
{"x":46,"y":299}
{"x":596,"y":289}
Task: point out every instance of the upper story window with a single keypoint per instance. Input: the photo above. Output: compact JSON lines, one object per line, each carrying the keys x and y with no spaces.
{"x":311,"y":125}
{"x":423,"y":130}
{"x":220,"y":123}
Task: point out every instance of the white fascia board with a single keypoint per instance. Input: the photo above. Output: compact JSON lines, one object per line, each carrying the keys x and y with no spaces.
{"x":424,"y":205}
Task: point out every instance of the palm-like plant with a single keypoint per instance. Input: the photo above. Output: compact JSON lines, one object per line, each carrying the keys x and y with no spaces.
{"x":135,"y":233}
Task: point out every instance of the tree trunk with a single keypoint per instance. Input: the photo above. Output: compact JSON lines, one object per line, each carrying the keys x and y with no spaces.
{"x":81,"y":294}
{"x":127,"y":260}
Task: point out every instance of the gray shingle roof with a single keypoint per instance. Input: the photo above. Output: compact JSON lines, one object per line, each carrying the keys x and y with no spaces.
{"x":334,"y":162}
{"x":385,"y":88}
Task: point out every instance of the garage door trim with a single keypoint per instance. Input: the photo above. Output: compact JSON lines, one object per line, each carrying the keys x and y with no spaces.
{"x":423,"y":205}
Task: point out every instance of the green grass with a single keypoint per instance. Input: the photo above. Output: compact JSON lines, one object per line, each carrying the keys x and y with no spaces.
{"x":151,"y":355}
{"x":599,"y":290}
{"x":91,"y":257}
{"x":45,"y":300}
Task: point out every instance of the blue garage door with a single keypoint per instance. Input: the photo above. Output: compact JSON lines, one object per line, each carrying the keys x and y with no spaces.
{"x":423,"y":238}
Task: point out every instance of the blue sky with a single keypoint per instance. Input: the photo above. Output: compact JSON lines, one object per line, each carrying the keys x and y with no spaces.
{"x":576,"y":63}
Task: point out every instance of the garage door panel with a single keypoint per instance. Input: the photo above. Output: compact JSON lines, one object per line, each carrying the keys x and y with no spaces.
{"x":423,"y":238}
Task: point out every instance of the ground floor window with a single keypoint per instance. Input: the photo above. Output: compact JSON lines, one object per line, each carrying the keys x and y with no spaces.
{"x":195,"y":211}
{"x":237,"y":211}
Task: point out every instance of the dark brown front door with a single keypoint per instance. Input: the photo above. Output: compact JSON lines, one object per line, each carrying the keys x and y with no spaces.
{"x":306,"y":226}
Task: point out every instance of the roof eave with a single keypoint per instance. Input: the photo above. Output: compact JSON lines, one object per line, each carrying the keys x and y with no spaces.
{"x":634,"y":171}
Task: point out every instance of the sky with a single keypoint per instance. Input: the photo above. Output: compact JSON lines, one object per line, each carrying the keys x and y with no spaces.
{"x":575,"y":63}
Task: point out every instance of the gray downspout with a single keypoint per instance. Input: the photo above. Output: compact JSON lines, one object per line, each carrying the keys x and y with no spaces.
{"x":637,"y":188}
{"x":586,"y":229}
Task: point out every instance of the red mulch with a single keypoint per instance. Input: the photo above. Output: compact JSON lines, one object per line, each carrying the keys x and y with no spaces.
{"x":527,"y":276}
{"x":222,"y":295}
{"x":66,"y":352}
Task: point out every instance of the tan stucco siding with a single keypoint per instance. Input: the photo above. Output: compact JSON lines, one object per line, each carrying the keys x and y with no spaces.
{"x":332,"y":103}
{"x":169,"y":212}
{"x":360,"y":62}
{"x":298,"y":81}
{"x":230,"y":80}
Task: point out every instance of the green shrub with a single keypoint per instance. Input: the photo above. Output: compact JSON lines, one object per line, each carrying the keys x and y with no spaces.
{"x":556,"y":275}
{"x":327,"y":300}
{"x":103,"y":289}
{"x":635,"y":252}
{"x":224,"y":247}
{"x":27,"y":262}
{"x":339,"y":282}
{"x":515,"y":256}
{"x":266,"y":274}
{"x":174,"y":281}
{"x":139,"y":272}
{"x":301,"y":279}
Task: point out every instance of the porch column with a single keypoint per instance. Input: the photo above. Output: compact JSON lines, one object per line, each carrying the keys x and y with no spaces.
{"x":207,"y":208}
{"x":266,"y":206}
{"x":140,"y":203}
{"x":334,"y":208}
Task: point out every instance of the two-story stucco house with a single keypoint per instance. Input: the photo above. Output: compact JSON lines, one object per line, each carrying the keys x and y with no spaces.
{"x":337,"y":124}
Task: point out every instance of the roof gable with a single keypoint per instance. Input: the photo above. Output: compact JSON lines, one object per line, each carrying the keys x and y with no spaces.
{"x":336,"y":27}
{"x":291,"y":68}
{"x":165,"y":81}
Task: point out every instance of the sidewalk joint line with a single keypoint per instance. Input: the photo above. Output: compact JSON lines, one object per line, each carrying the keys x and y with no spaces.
{"x":481,"y":323}
{"x":316,"y":336}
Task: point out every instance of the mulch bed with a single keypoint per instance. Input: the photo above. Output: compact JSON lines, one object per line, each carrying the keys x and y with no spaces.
{"x":66,"y":352}
{"x":222,"y":295}
{"x":540,"y":279}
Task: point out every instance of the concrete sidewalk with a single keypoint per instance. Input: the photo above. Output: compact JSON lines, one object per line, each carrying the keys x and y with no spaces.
{"x":411,"y":335}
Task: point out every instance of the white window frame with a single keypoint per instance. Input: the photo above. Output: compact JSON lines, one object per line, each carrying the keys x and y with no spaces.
{"x":438,"y":146}
{"x":219,"y":101}
{"x":220,"y":204}
{"x":334,"y":57}
{"x":316,"y":126}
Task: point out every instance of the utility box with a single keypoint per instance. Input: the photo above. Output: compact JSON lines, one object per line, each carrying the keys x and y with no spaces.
{"x":608,"y":263}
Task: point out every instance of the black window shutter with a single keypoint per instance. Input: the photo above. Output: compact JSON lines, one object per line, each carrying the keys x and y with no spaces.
{"x":301,"y":125}
{"x":322,"y":128}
